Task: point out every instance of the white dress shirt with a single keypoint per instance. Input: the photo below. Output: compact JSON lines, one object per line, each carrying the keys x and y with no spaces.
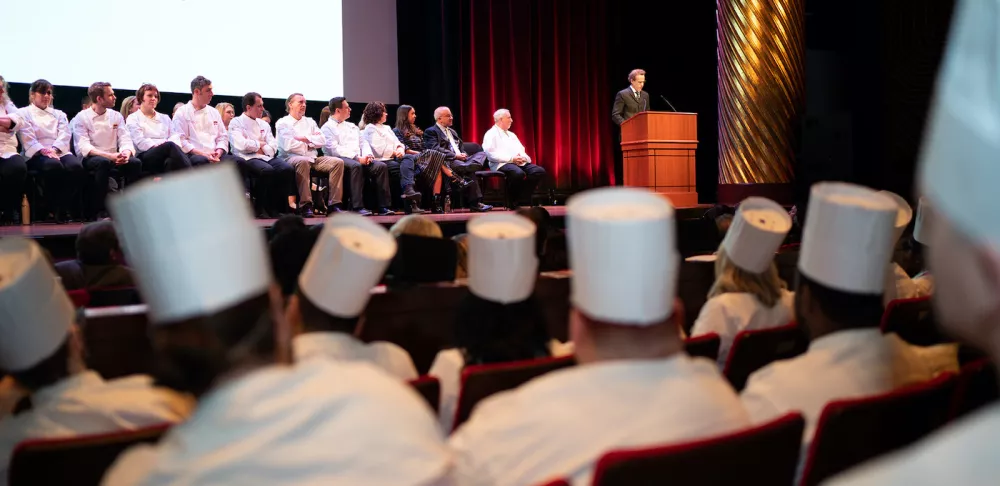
{"x":559,"y":424}
{"x":846,"y":364}
{"x":340,"y":346}
{"x":317,"y":422}
{"x":289,"y":128}
{"x":49,"y":130}
{"x":382,"y":141}
{"x":86,"y":404}
{"x":149,"y":132}
{"x":501,"y":146}
{"x":343,"y":139}
{"x":199,"y":129}
{"x":248,"y":135}
{"x":447,"y":367}
{"x":8,"y":138}
{"x":960,"y":454}
{"x":731,"y":313}
{"x":105,"y":132}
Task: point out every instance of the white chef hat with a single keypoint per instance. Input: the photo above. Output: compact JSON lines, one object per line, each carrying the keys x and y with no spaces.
{"x":925,"y":217}
{"x":848,"y":237}
{"x":759,"y":228}
{"x":502,"y":261}
{"x":192,"y":242}
{"x":959,"y":168}
{"x":35,"y":312}
{"x":623,"y":255}
{"x":349,"y":259}
{"x":903,"y":215}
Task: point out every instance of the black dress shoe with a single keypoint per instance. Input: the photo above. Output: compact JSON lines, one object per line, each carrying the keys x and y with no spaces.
{"x":306,"y":211}
{"x":462,"y":182}
{"x":411,"y":207}
{"x":479,"y":207}
{"x":409,"y":193}
{"x":363,"y":212}
{"x":386,"y":212}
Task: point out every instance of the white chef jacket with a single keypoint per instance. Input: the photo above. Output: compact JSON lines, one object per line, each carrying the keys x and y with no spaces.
{"x":106,"y":132}
{"x":731,"y":313}
{"x":382,"y":141}
{"x":247,"y":135}
{"x":960,"y":454}
{"x":199,"y":129}
{"x":49,"y":129}
{"x":339,"y":346}
{"x":501,"y":146}
{"x":8,"y":139}
{"x":559,"y":424}
{"x":343,"y":139}
{"x":317,"y":422}
{"x":288,"y":128}
{"x":846,"y":364}
{"x":447,"y":367}
{"x":86,"y":404}
{"x":149,"y":132}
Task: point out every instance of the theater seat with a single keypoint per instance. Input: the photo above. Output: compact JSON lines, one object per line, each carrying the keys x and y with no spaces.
{"x":977,"y":386}
{"x":80,"y":461}
{"x":79,"y":297}
{"x":852,"y":431}
{"x":762,"y":455}
{"x":913,"y":321}
{"x":704,"y":346}
{"x":753,"y":350}
{"x":488,"y":178}
{"x":481,"y":381}
{"x":117,"y":341}
{"x":429,"y":388}
{"x":114,"y":296}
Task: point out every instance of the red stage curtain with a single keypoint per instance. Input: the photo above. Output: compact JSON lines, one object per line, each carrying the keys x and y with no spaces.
{"x":545,"y":61}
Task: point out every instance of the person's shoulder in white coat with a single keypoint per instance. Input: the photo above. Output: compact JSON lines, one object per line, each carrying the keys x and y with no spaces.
{"x":342,"y":346}
{"x":731,"y":313}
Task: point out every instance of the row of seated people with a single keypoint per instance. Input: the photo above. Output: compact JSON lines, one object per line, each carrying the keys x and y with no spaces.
{"x":212,"y":308}
{"x":75,"y":157}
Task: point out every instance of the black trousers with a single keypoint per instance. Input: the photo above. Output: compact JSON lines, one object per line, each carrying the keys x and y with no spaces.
{"x":165,"y":157}
{"x":62,"y":179}
{"x":468,"y":168}
{"x":272,"y":182}
{"x":197,"y":160}
{"x":101,"y":168}
{"x":13,"y":172}
{"x":522,"y":181}
{"x":355,"y":174}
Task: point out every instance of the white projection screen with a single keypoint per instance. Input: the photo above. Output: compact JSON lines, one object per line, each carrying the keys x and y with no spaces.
{"x":273,"y":47}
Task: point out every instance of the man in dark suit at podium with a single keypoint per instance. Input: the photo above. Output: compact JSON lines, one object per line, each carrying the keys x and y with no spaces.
{"x":631,"y":100}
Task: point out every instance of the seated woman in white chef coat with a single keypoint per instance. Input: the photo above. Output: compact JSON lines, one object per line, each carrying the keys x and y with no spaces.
{"x":899,"y":284}
{"x":500,"y":320}
{"x":747,"y":293}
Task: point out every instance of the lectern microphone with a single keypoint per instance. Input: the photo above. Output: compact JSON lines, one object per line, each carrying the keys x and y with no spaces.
{"x":664,"y":98}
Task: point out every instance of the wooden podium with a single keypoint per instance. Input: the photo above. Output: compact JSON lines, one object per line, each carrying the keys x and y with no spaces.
{"x":659,"y":150}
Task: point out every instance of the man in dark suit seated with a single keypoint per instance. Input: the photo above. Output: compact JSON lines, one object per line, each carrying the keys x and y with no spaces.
{"x":631,"y":100}
{"x":98,"y":260}
{"x":442,"y":138}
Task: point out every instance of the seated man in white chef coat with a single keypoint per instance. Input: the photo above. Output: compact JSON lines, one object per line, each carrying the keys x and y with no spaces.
{"x":218,"y":331}
{"x":43,"y":353}
{"x":957,"y":173}
{"x":335,"y":285}
{"x":634,"y":385}
{"x":845,"y":244}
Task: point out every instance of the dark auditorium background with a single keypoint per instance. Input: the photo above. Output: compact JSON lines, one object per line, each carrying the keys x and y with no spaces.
{"x":870,"y":69}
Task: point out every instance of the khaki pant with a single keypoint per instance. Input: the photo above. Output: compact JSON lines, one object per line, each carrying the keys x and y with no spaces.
{"x":330,"y":165}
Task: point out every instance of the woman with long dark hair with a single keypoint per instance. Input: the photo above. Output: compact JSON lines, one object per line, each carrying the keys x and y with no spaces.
{"x":430,"y":166}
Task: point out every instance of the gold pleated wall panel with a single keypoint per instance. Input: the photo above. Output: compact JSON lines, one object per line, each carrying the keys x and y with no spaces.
{"x":761,"y":88}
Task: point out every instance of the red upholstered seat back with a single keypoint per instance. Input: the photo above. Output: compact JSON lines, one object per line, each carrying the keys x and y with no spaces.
{"x":913,"y":321}
{"x":429,"y":388}
{"x":753,"y":350}
{"x":704,"y":346}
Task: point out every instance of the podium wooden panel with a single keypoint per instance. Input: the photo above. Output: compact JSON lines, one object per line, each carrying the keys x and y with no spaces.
{"x":659,"y":153}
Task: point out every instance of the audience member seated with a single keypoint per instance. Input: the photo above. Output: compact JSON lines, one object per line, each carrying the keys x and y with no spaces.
{"x":845,"y":247}
{"x":430,"y":168}
{"x":634,"y":385}
{"x":289,"y":248}
{"x":343,"y":140}
{"x":298,"y":141}
{"x":500,"y":320}
{"x":46,"y":146}
{"x":416,"y":225}
{"x":506,"y":154}
{"x":923,"y":281}
{"x":251,"y":140}
{"x":198,"y":128}
{"x":227,"y":112}
{"x":99,"y":260}
{"x":152,"y":132}
{"x":747,"y":294}
{"x":218,"y":332}
{"x":13,"y":167}
{"x":334,"y":287}
{"x":898,"y":283}
{"x":462,"y":255}
{"x":957,"y":173}
{"x":442,"y":138}
{"x":389,"y":150}
{"x":101,"y":139}
{"x":42,"y":351}
{"x":129,"y":105}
